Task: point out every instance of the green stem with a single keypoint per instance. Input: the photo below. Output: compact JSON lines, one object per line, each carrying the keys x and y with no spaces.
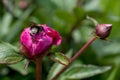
{"x":75,"y":56}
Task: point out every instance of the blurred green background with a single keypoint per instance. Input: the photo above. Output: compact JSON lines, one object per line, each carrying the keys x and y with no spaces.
{"x":69,"y":18}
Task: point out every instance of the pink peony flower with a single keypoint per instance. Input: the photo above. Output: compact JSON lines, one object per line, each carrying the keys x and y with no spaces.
{"x":37,"y":40}
{"x":103,"y":30}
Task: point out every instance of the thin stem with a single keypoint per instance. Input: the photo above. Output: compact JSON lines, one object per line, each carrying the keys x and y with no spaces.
{"x":38,"y":62}
{"x":75,"y":56}
{"x":93,"y":20}
{"x":82,"y":49}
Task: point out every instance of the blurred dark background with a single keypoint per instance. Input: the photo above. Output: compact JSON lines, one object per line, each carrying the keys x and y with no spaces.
{"x":69,"y":18}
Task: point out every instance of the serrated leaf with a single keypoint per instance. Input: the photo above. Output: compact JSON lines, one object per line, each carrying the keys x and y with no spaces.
{"x":9,"y":54}
{"x":84,"y":71}
{"x":60,"y":58}
{"x":56,"y":67}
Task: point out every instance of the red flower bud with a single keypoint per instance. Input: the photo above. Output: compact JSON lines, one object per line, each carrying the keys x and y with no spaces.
{"x":103,"y":30}
{"x":37,"y":39}
{"x":23,"y":4}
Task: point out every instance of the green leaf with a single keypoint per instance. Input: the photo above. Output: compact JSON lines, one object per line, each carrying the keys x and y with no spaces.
{"x":63,"y":4}
{"x":86,"y":33}
{"x":92,"y":5}
{"x":6,"y":21}
{"x":17,"y":26}
{"x":56,"y":67}
{"x":114,"y":9}
{"x":19,"y":67}
{"x":84,"y":71}
{"x":65,"y":16}
{"x":106,"y":48}
{"x":80,"y":13}
{"x":9,"y":54}
{"x":60,"y":58}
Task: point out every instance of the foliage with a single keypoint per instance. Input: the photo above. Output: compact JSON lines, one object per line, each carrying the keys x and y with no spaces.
{"x":69,"y":18}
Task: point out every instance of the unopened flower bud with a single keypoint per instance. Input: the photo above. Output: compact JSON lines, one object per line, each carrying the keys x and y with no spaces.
{"x":103,"y":30}
{"x":23,"y":4}
{"x":37,"y":39}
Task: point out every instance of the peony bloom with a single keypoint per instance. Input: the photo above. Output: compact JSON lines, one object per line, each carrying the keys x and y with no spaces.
{"x":103,"y":30}
{"x":36,"y":40}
